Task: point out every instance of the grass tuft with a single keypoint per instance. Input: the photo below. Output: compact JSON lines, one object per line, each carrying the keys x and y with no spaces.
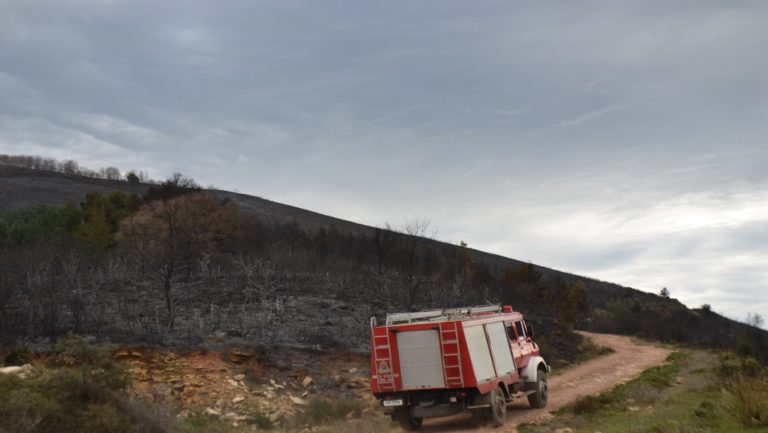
{"x":323,"y":410}
{"x":747,"y":399}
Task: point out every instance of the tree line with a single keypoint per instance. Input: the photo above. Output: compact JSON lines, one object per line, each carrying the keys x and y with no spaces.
{"x":72,"y":167}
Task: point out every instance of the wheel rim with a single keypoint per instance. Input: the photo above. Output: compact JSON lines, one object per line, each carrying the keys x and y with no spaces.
{"x":498,"y":405}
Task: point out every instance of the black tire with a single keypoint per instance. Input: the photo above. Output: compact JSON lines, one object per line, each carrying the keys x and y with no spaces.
{"x":498,"y":410}
{"x":408,"y":422}
{"x":538,"y":399}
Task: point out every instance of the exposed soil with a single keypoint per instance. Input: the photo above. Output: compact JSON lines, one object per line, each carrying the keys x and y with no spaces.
{"x":241,"y":380}
{"x":590,"y":378}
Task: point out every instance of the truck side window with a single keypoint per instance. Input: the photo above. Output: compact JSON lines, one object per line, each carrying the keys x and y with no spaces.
{"x":520,"y":330}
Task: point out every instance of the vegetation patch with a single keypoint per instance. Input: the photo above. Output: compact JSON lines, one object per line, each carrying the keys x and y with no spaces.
{"x":589,"y":350}
{"x":323,"y":410}
{"x":80,"y":394}
{"x":689,"y":393}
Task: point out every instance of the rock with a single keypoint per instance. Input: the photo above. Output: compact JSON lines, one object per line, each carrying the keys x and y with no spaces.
{"x":350,"y":415}
{"x":238,"y":399}
{"x":239,"y":377}
{"x":233,"y":383}
{"x":564,"y":430}
{"x":304,"y":394}
{"x":307,"y":381}
{"x":212,"y":411}
{"x":232,"y":416}
{"x":239,"y":356}
{"x":22,"y":372}
{"x":352,"y":370}
{"x":122,"y":354}
{"x":297,"y":400}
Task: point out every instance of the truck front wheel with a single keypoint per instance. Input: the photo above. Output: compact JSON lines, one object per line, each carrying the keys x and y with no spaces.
{"x":538,"y":399}
{"x":407,"y":421}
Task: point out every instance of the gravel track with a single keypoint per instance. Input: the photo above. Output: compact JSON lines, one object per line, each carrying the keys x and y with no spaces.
{"x":590,"y":378}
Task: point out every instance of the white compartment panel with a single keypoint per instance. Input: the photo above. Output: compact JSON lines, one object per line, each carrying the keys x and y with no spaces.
{"x":500,"y":348}
{"x":421,"y":365}
{"x":479,"y":352}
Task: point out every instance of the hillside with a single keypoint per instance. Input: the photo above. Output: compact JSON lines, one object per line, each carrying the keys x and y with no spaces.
{"x":327,"y":265}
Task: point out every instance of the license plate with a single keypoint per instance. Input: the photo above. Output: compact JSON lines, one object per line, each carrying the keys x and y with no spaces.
{"x":392,"y":403}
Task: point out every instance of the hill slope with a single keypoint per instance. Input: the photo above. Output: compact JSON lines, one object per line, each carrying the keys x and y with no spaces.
{"x":612,"y":308}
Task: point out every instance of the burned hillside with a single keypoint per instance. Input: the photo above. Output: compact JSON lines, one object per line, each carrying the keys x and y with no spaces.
{"x":244,"y":269}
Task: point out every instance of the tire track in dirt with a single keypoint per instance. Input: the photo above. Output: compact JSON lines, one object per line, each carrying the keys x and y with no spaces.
{"x":590,"y":378}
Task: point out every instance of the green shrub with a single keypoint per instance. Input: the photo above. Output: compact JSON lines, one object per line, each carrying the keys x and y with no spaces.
{"x":588,"y":350}
{"x":93,"y":375}
{"x":22,"y":408}
{"x":81,"y":395}
{"x":706,"y":409}
{"x":261,"y":421}
{"x":732,"y":366}
{"x":321,"y":410}
{"x":200,"y":423}
{"x":104,"y":418}
{"x":747,"y":400}
{"x":18,"y":357}
{"x":148,"y":418}
{"x":661,"y":376}
{"x":587,"y":404}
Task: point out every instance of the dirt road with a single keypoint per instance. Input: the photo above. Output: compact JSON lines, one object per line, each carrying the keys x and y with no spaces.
{"x":590,"y":378}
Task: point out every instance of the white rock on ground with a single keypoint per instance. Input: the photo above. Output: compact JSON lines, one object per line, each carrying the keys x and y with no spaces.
{"x":23,"y":371}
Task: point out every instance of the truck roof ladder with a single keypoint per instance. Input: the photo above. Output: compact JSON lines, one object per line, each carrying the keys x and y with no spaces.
{"x":449,"y":342}
{"x":440,"y":315}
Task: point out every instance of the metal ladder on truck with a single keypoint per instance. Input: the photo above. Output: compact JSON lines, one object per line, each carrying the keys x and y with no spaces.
{"x":449,"y":342}
{"x":382,"y":349}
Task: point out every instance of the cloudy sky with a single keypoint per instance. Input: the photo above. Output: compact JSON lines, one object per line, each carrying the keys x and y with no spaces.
{"x":626,"y":141}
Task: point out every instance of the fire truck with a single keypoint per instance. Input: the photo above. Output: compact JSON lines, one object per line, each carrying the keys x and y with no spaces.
{"x":438,"y":363}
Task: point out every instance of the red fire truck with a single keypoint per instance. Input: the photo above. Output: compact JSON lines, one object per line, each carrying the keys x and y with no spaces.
{"x":438,"y":363}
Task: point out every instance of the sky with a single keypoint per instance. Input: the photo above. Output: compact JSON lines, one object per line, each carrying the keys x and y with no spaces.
{"x":625,"y":141}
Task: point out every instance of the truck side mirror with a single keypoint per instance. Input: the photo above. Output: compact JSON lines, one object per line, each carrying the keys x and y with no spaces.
{"x":530,"y":329}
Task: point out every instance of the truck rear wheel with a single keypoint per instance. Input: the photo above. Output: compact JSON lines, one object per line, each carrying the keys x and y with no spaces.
{"x":407,"y":421}
{"x":498,"y":408}
{"x":539,"y":398}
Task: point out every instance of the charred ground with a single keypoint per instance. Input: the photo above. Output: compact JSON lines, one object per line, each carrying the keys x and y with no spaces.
{"x":284,"y":276}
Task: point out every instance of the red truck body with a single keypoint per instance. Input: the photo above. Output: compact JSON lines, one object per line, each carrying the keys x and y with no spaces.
{"x":438,"y":363}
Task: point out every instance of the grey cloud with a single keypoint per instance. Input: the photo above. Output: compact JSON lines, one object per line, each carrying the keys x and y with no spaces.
{"x":570,"y":134}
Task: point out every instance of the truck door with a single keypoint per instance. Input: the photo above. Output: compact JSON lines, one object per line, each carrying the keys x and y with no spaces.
{"x":516,"y":350}
{"x":523,"y":340}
